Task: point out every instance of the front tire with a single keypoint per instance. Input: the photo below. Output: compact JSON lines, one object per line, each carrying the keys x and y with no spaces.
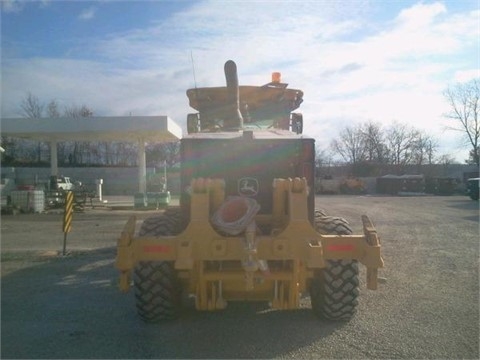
{"x":157,"y":291}
{"x":334,"y":289}
{"x":157,"y":288}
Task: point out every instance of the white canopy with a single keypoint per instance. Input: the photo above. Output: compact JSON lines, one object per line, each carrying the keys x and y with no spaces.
{"x":138,"y":129}
{"x":108,"y":128}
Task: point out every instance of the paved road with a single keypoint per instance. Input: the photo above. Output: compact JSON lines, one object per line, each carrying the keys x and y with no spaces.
{"x":69,"y":307}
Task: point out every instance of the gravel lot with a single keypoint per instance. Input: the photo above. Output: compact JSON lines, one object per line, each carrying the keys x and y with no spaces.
{"x":69,"y":307}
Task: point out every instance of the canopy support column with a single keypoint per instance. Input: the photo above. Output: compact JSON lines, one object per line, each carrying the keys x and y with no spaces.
{"x":53,"y":158}
{"x":142,"y":167}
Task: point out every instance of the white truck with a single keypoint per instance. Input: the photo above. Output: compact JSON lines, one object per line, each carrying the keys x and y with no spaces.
{"x":61,"y":183}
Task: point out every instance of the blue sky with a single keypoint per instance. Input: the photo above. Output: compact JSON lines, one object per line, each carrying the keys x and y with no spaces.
{"x":356,"y":61}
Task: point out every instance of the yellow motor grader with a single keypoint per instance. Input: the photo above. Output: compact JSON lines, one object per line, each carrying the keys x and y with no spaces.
{"x":246,"y":228}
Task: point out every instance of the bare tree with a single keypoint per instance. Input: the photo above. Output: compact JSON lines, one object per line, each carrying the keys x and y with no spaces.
{"x":424,"y":149}
{"x":53,"y":112}
{"x":446,"y":160}
{"x":373,"y":139}
{"x":126,"y":154}
{"x":78,"y":112}
{"x":172,"y":150}
{"x":32,"y":108}
{"x":368,"y":147}
{"x":79,"y":148}
{"x":323,"y":157}
{"x":52,"y":109}
{"x":157,"y":153}
{"x":323,"y":162}
{"x":350,"y":145}
{"x":401,"y":141}
{"x":464,"y":107}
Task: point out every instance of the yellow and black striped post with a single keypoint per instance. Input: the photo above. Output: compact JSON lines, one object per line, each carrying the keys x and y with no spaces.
{"x":67,"y":218}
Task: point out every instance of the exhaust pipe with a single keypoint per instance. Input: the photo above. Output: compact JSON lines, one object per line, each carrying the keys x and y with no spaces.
{"x":233,"y":117}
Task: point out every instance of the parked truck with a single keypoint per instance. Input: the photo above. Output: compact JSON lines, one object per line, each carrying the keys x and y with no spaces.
{"x":473,"y":185}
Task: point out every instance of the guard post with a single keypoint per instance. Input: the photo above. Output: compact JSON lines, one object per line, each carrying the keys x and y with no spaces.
{"x":67,"y":218}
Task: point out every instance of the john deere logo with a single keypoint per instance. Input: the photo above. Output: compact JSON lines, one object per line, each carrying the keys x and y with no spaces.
{"x":248,"y":186}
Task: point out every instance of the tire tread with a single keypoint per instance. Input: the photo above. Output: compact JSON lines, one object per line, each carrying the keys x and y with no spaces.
{"x":157,"y":288}
{"x":334,"y":289}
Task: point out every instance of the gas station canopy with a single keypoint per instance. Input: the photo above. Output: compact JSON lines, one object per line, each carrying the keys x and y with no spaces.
{"x":109,"y":128}
{"x":137,"y":129}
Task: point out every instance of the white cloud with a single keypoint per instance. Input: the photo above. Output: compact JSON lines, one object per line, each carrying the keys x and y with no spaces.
{"x":463,"y":76}
{"x":16,"y":6}
{"x":45,"y":3}
{"x":350,"y":70}
{"x":12,"y":6}
{"x":87,"y":14}
{"x":420,"y":16}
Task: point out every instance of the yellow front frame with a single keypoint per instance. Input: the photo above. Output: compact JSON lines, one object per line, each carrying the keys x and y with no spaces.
{"x":292,"y":240}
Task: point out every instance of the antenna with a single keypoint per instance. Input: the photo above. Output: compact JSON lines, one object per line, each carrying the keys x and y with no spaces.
{"x":193,"y":68}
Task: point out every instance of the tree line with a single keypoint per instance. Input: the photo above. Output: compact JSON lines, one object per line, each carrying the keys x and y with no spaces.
{"x":21,"y":152}
{"x":368,"y":146}
{"x":363,"y":146}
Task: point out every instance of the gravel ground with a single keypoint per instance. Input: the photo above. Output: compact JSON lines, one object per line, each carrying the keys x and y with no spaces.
{"x":69,"y":307}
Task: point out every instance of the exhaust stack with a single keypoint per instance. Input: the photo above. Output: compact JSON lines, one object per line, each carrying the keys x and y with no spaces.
{"x":233,"y":117}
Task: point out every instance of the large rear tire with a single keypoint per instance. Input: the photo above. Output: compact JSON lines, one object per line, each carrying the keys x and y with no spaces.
{"x":157,"y":288}
{"x":334,"y":289}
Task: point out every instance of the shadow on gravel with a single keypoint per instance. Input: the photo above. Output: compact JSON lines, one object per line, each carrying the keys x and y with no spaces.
{"x":466,"y":204}
{"x":70,"y":307}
